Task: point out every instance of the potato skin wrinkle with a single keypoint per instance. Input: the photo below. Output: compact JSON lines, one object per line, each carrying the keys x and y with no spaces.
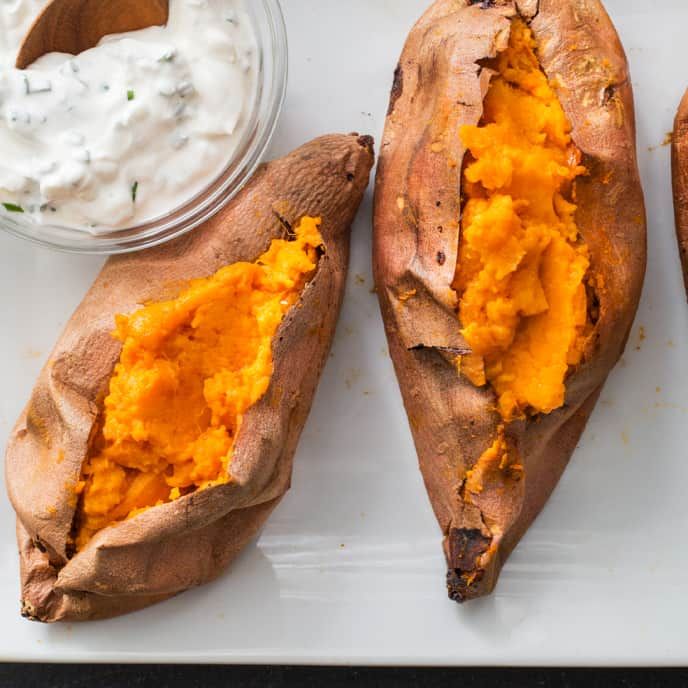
{"x":509,"y":152}
{"x":165,"y":489}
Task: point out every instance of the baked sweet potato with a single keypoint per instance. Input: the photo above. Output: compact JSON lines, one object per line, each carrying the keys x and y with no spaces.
{"x":146,"y":460}
{"x":510,"y":251}
{"x":679,"y":173}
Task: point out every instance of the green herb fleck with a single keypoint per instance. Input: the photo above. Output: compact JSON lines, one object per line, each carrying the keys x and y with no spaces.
{"x":37,"y":87}
{"x":131,"y":95}
{"x":13,"y":208}
{"x":134,"y":191}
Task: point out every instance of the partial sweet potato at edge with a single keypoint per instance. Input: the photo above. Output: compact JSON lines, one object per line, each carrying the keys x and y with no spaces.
{"x":679,"y":169}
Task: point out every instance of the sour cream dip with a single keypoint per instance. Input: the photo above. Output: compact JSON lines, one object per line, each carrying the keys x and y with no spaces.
{"x":127,"y":131}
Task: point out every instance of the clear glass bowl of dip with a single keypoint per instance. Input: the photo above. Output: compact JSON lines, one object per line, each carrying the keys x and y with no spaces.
{"x":271,"y":38}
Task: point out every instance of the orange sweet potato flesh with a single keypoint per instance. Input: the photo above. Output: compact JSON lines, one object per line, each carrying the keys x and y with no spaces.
{"x":522,"y":265}
{"x":177,"y":515}
{"x":508,"y":202}
{"x":189,"y":370}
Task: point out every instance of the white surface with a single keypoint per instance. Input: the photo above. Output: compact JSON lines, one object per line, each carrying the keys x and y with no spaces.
{"x":349,"y":568}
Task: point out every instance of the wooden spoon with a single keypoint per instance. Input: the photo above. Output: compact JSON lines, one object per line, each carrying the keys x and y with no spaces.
{"x":72,"y":26}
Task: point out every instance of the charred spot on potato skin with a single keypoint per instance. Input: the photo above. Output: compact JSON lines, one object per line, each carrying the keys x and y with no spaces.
{"x":28,"y":611}
{"x":452,"y":350}
{"x":367,"y":142}
{"x":487,"y":63}
{"x":441,"y":258}
{"x":458,"y":588}
{"x":609,"y":93}
{"x":397,"y":88}
{"x":593,"y":304}
{"x":465,"y":547}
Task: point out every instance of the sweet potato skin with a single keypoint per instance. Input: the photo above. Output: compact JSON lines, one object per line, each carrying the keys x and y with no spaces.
{"x":440,"y":85}
{"x":170,"y":548}
{"x":679,"y":174}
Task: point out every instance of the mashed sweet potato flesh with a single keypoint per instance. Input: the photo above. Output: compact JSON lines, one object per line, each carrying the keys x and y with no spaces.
{"x":189,"y":370}
{"x":522,"y":264}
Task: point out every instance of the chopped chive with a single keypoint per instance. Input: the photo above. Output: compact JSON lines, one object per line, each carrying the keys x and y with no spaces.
{"x":134,"y":191}
{"x":37,"y":86}
{"x":13,"y":208}
{"x":131,"y":95}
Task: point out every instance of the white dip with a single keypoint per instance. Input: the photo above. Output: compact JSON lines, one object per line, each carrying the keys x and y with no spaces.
{"x":127,"y":131}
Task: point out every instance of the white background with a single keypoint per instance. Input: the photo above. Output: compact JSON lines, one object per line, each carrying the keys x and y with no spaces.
{"x":349,"y":568}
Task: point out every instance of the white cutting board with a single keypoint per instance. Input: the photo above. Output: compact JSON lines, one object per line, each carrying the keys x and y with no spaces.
{"x":350,"y":568}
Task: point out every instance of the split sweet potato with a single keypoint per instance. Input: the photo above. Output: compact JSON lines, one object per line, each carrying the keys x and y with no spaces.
{"x":510,"y":251}
{"x":160,"y":434}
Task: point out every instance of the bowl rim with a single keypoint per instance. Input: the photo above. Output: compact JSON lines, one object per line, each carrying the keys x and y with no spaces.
{"x":269,"y":101}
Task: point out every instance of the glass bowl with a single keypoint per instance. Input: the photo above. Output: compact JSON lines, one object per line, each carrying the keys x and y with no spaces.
{"x":271,"y":37}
